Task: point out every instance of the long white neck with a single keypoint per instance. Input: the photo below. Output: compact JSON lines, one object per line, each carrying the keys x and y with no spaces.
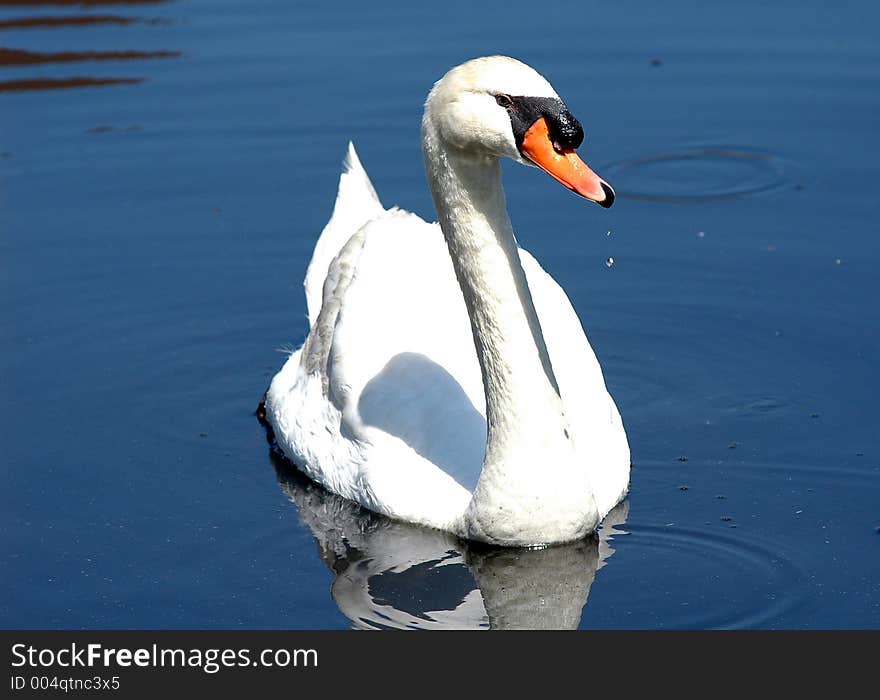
{"x":530,"y":457}
{"x":516,"y":369}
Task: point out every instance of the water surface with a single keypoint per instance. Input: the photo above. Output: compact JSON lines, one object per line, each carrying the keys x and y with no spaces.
{"x":165,"y":168}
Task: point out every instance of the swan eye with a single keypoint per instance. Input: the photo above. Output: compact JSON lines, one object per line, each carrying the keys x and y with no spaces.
{"x":504,"y":101}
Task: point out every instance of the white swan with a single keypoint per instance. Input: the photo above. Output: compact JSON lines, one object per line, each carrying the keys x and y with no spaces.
{"x":388,"y":404}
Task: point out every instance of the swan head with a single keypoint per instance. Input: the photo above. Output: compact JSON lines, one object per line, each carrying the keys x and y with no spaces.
{"x":499,"y":107}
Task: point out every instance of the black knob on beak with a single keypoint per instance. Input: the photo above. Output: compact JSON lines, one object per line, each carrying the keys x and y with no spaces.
{"x":565,"y":131}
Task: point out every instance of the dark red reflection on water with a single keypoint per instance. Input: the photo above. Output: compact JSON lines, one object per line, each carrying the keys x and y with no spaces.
{"x":62,"y":83}
{"x":19,"y":58}
{"x":15,"y":57}
{"x":80,"y":3}
{"x":76,"y":21}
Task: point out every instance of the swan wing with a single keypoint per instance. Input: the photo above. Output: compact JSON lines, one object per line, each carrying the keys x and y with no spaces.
{"x":591,"y":411}
{"x":384,"y":402}
{"x":402,"y":361}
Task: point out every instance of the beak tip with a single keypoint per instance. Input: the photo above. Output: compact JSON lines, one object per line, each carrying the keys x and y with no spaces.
{"x":609,"y":196}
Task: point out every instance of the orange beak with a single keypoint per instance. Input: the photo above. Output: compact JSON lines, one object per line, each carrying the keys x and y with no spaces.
{"x":564,"y":166}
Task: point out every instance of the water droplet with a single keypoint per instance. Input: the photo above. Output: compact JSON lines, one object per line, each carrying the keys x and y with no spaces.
{"x":609,"y":262}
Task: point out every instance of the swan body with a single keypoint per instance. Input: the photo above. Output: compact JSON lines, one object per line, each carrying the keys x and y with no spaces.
{"x":446,"y":379}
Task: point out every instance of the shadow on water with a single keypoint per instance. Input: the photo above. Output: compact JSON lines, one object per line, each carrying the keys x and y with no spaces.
{"x":19,"y":58}
{"x":387,"y":574}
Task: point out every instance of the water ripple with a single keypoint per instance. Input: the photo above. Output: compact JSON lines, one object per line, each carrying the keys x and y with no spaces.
{"x":759,"y":585}
{"x":698,"y":175}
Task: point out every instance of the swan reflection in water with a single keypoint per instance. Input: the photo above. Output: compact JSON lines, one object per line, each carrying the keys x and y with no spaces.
{"x":388,"y":574}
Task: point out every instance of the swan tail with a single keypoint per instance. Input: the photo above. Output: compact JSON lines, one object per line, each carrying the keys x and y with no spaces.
{"x":356,"y":204}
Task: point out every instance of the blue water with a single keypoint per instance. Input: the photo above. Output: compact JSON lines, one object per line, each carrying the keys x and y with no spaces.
{"x":154,"y":234}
